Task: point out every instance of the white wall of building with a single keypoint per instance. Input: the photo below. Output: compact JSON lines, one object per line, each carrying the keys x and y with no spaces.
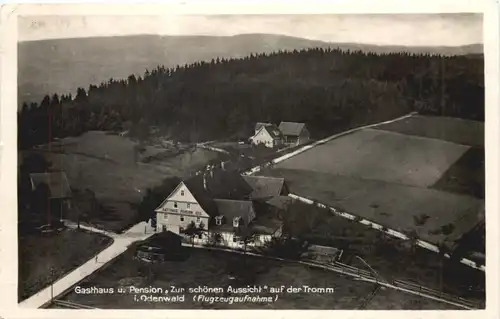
{"x":263,"y":137}
{"x":228,"y":240}
{"x":179,"y":210}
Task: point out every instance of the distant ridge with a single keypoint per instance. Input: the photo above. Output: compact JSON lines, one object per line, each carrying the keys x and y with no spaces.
{"x":62,"y":65}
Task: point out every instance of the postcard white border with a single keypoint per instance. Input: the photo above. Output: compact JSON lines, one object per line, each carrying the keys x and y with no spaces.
{"x":8,"y":138}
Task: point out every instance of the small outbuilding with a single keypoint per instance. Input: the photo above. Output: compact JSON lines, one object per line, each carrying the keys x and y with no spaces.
{"x":294,"y":133}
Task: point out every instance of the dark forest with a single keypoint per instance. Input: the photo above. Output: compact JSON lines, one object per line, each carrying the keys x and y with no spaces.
{"x":328,"y":89}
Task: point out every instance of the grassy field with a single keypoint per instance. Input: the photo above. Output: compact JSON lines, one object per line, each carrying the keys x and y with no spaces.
{"x":378,"y":155}
{"x":107,"y":165}
{"x":410,"y":175}
{"x":442,"y":128}
{"x":466,"y":175}
{"x":212,"y":268}
{"x":62,"y":252}
{"x":394,"y":206}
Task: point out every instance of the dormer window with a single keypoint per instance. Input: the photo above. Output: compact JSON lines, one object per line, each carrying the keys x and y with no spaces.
{"x":237,"y":222}
{"x":218,"y":220}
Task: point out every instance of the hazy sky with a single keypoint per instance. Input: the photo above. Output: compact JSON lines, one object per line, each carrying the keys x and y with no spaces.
{"x":384,"y":29}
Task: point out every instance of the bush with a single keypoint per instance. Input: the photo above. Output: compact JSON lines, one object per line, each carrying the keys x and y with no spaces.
{"x":420,"y":219}
{"x":447,"y":229}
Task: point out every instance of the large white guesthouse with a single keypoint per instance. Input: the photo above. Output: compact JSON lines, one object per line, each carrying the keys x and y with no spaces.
{"x":223,"y":202}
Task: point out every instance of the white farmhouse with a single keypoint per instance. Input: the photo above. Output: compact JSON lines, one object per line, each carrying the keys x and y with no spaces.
{"x":268,"y":135}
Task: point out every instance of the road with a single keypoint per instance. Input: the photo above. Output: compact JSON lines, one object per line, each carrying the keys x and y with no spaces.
{"x":119,"y":245}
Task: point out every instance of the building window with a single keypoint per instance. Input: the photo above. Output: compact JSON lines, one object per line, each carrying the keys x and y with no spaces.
{"x":175,"y":204}
{"x":182,"y":193}
{"x":198,"y":219}
{"x":182,"y":218}
{"x":218,"y":220}
{"x":188,"y":205}
{"x":165,"y":216}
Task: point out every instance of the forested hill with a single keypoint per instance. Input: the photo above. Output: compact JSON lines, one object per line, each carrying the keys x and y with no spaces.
{"x":328,"y":89}
{"x":62,"y":65}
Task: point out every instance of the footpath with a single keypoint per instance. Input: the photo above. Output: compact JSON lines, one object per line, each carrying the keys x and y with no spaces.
{"x":120,"y":244}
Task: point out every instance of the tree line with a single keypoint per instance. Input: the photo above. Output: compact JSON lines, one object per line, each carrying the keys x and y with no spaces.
{"x":327,"y":88}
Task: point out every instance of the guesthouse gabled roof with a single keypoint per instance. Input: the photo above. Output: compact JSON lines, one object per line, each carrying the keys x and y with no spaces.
{"x":56,"y":181}
{"x":291,"y":128}
{"x":222,"y":185}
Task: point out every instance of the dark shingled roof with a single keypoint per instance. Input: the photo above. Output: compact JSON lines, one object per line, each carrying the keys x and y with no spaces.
{"x":264,"y":186}
{"x":273,"y":131}
{"x":267,"y":219}
{"x":261,"y":124}
{"x":56,"y":181}
{"x":291,"y":128}
{"x":234,"y":208}
{"x":280,"y":202}
{"x":223,"y":185}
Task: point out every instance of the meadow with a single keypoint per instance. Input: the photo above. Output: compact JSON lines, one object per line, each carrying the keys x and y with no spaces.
{"x":44,"y":259}
{"x":112,"y":168}
{"x":399,"y":175}
{"x":213,"y":268}
{"x":382,"y":156}
{"x":455,"y":130}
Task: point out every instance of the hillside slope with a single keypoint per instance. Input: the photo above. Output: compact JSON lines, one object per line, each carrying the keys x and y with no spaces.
{"x":62,"y":65}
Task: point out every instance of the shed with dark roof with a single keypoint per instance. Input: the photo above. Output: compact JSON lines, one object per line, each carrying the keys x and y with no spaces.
{"x":294,"y":132}
{"x":57,"y":183}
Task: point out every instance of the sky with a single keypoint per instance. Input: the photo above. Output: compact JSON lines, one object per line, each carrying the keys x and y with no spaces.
{"x":382,"y":29}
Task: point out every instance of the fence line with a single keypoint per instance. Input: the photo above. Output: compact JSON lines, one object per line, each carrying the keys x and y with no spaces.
{"x":391,"y":232}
